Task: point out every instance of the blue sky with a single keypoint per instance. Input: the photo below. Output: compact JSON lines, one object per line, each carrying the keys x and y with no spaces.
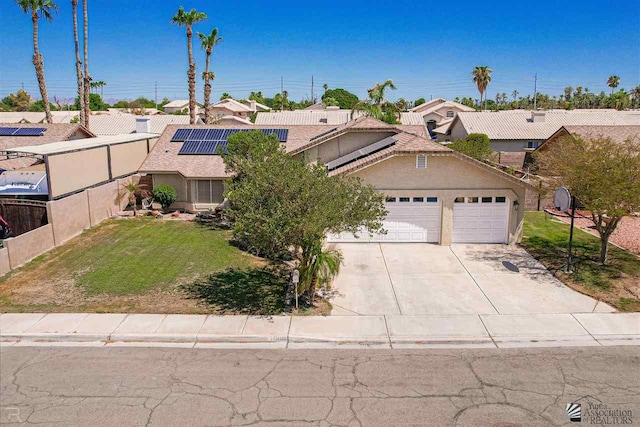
{"x":427,"y":48}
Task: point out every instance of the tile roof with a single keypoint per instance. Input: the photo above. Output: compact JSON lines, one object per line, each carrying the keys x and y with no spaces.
{"x":324,"y":116}
{"x":177,"y":103}
{"x":36,"y":117}
{"x":106,"y":124}
{"x":434,"y":105}
{"x":406,"y":144}
{"x":517,"y":124}
{"x":164,"y":155}
{"x":232,"y":105}
{"x":616,"y":133}
{"x":55,"y":132}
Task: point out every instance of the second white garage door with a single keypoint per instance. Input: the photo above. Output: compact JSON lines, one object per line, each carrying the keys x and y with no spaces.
{"x":410,"y":219}
{"x":480,"y":220}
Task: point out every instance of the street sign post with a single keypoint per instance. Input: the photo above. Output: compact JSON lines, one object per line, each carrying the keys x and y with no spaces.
{"x":563,"y":201}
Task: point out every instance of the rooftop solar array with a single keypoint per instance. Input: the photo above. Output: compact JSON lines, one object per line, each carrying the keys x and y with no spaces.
{"x":219,"y":134}
{"x":203,"y":147}
{"x":363,"y":152}
{"x":15,"y":131}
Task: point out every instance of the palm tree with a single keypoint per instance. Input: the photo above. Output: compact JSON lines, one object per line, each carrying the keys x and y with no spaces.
{"x":514,"y":95}
{"x":39,"y":9}
{"x":481,"y":77}
{"x":87,"y":76}
{"x":325,"y":87}
{"x":613,"y":82}
{"x":186,"y":19}
{"x":209,"y":42}
{"x":377,"y":106}
{"x":74,"y":8}
{"x":318,"y":267}
{"x":131,"y":190}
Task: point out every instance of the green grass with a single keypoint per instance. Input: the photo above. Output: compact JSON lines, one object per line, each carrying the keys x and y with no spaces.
{"x":548,"y":240}
{"x":128,"y":257}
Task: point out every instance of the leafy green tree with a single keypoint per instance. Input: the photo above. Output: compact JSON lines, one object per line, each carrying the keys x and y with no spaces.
{"x":475,"y":145}
{"x":39,"y":9}
{"x":320,"y":267}
{"x":186,"y":19}
{"x":95,"y":103}
{"x":20,"y":101}
{"x":38,"y":106}
{"x":418,"y":101}
{"x":601,"y":173}
{"x":282,"y":207}
{"x":377,"y":106}
{"x":346,"y":100}
{"x":481,"y":77}
{"x":330,"y":102}
{"x":225,"y":95}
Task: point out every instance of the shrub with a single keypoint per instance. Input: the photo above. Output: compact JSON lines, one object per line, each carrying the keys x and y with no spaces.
{"x":476,"y":145}
{"x":165,"y":195}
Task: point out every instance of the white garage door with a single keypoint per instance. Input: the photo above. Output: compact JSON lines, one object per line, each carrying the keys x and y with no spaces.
{"x":410,"y":219}
{"x":480,"y":220}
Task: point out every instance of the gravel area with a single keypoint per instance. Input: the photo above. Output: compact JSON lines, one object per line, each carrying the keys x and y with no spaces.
{"x":627,"y":234}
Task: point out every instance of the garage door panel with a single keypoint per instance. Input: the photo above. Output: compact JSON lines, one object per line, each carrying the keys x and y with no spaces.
{"x":406,"y":222}
{"x":480,"y":222}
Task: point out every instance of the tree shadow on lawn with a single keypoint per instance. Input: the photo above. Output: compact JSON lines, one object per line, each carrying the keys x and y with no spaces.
{"x":257,"y":291}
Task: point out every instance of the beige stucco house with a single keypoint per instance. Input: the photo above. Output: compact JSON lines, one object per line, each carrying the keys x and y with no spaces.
{"x":439,"y":112}
{"x":514,"y":133}
{"x":179,"y":106}
{"x":433,"y":193}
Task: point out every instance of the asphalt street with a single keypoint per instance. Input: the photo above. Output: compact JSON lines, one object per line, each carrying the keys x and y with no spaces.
{"x":197,"y":387}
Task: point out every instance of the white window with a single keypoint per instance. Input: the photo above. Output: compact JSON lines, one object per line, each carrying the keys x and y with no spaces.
{"x":450,"y":113}
{"x":421,"y":161}
{"x":532,"y":144}
{"x":209,"y":191}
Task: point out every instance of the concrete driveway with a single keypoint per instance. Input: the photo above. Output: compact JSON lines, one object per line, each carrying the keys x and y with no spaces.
{"x":424,"y":279}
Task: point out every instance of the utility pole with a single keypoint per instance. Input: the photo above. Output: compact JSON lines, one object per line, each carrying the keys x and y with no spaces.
{"x":282,"y":93}
{"x":535,"y":91}
{"x":156,"y":93}
{"x":313,"y":98}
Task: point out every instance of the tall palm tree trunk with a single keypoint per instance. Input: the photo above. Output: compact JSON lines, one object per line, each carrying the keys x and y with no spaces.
{"x":87,"y":77}
{"x":74,"y":5}
{"x":191,"y":74}
{"x":207,"y":86}
{"x":38,"y":63}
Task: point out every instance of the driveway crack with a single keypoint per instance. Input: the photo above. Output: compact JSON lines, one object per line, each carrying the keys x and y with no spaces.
{"x":393,"y":289}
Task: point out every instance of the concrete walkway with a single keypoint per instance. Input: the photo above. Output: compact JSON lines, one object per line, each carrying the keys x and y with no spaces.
{"x":201,"y":331}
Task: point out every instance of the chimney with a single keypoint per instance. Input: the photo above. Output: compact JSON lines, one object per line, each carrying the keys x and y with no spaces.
{"x":537,"y":116}
{"x":252,"y":105}
{"x":143,"y":125}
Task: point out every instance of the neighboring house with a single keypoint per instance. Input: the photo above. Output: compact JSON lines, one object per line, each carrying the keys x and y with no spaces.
{"x":439,"y":112}
{"x":24,"y":135}
{"x":513,"y":133}
{"x":433,"y":194}
{"x":179,"y":105}
{"x":119,"y":123}
{"x":330,"y":116}
{"x":36,"y":117}
{"x":615,"y":133}
{"x":230,"y":107}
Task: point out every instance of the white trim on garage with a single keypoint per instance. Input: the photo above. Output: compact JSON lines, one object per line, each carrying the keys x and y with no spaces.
{"x":410,"y":219}
{"x":480,"y":219}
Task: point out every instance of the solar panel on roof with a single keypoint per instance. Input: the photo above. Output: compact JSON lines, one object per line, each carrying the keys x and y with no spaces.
{"x":363,"y":152}
{"x":181,"y":135}
{"x":189,"y":147}
{"x":197,"y":134}
{"x":203,"y":147}
{"x":29,"y":132}
{"x":7,"y":131}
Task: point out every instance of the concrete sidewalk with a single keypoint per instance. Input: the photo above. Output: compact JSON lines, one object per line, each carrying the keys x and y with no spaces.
{"x":201,"y":331}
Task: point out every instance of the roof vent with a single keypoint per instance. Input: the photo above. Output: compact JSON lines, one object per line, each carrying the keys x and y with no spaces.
{"x":143,"y":125}
{"x":537,"y":116}
{"x":323,"y":120}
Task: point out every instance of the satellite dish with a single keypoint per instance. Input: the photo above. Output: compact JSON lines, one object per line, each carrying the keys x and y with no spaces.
{"x":562,"y":199}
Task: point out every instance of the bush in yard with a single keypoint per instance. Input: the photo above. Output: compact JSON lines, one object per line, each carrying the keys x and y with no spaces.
{"x":602,"y":174}
{"x":283,"y":208}
{"x":475,"y":145}
{"x":165,"y":195}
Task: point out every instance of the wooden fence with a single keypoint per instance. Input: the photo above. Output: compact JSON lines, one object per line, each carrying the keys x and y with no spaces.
{"x":23,"y":215}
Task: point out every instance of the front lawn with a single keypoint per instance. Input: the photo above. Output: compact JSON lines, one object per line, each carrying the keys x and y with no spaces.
{"x":616,"y":283}
{"x":145,"y":265}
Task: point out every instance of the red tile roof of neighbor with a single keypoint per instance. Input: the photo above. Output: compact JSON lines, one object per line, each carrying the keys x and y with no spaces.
{"x":56,"y":132}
